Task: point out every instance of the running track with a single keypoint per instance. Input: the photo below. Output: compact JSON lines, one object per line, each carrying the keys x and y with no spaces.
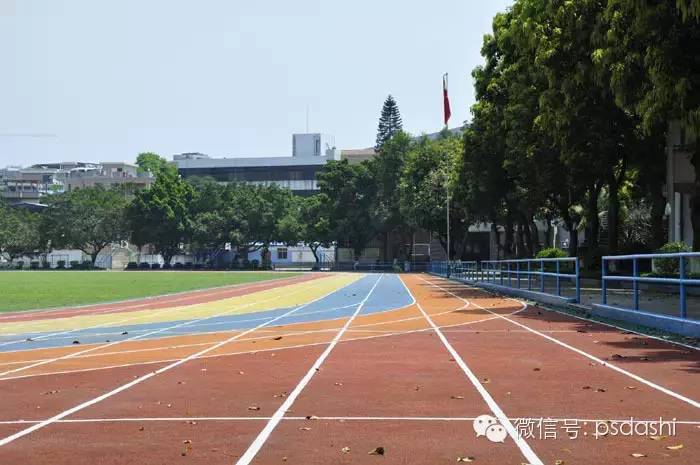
{"x":325,"y":368}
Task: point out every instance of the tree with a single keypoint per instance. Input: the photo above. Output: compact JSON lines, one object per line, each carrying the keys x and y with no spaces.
{"x":153,"y":163}
{"x":307,"y":222}
{"x":347,"y":193}
{"x":87,"y":219}
{"x":429,"y":174}
{"x":161,"y":216}
{"x":19,"y":232}
{"x":648,"y":53}
{"x":389,"y":122}
{"x":385,"y":169}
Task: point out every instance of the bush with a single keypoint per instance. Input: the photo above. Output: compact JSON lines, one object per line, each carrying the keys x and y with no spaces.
{"x":188,"y":265}
{"x":167,"y":266}
{"x":155,"y":266}
{"x":33,"y":265}
{"x":254,"y":264}
{"x":75,"y":264}
{"x":19,"y":265}
{"x":132,"y":266}
{"x":551,"y":252}
{"x":671,"y":266}
{"x":179,"y":266}
{"x":198,"y":266}
{"x":46,"y":265}
{"x":144,"y":266}
{"x":61,"y":264}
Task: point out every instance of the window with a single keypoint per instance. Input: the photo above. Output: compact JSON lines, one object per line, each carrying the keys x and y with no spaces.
{"x":282,"y":253}
{"x":317,"y":146}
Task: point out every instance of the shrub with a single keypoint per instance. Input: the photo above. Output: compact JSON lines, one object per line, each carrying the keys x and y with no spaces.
{"x":155,"y":266}
{"x":19,"y":265}
{"x":551,"y":252}
{"x":198,"y":266}
{"x":61,"y":264}
{"x":671,"y":266}
{"x":46,"y":265}
{"x":179,"y":266}
{"x":188,"y":265}
{"x":167,"y":266}
{"x":75,"y":264}
{"x":33,"y":265}
{"x":254,"y":264}
{"x":132,"y":266}
{"x":144,"y":266}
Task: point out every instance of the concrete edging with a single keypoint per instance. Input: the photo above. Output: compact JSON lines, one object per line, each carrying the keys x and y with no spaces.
{"x":684,"y":327}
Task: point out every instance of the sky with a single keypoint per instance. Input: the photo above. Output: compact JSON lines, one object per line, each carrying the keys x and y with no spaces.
{"x":87,"y":80}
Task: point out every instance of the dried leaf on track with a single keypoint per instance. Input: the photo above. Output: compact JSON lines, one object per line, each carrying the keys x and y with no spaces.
{"x":631,"y":388}
{"x":376,"y":451}
{"x":537,"y":369}
{"x":468,"y":458}
{"x":253,"y":407}
{"x":585,"y":388}
{"x":277,"y":338}
{"x":345,"y":450}
{"x":304,"y":428}
{"x":637,"y":455}
{"x":485,"y":381}
{"x":600,"y":390}
{"x":559,"y":462}
{"x":617,"y":356}
{"x":657,"y":438}
{"x":311,"y":417}
{"x":677,"y":447}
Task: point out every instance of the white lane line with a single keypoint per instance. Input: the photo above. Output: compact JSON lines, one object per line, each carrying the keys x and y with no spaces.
{"x":262,"y":437}
{"x":335,"y":418}
{"x":524,"y":447}
{"x":616,"y":368}
{"x":151,"y":333}
{"x":150,"y":375}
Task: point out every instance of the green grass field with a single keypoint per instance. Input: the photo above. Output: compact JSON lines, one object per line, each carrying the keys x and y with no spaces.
{"x":24,"y":290}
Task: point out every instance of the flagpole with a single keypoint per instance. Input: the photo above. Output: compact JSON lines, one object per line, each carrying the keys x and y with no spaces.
{"x":447,"y":188}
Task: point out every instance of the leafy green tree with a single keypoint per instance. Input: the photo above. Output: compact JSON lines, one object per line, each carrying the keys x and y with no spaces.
{"x":647,"y":51}
{"x":87,"y":219}
{"x":386,"y":211}
{"x":430,"y":172}
{"x":315,"y":229}
{"x":153,"y":163}
{"x":161,"y":215}
{"x":389,"y":122}
{"x":347,"y":194}
{"x":19,"y":232}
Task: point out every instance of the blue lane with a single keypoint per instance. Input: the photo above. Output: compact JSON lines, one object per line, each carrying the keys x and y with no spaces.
{"x":389,"y":294}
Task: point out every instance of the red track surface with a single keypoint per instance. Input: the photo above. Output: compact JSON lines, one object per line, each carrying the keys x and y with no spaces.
{"x":387,"y":383}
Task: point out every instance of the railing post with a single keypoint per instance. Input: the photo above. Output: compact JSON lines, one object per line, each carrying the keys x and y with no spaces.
{"x":529,"y":275}
{"x":578,"y":281}
{"x":684,"y":313}
{"x":517,"y":273}
{"x":558,"y":278}
{"x":603,"y":283}
{"x":541,"y":275}
{"x":635,"y":283}
{"x":509,"y":276}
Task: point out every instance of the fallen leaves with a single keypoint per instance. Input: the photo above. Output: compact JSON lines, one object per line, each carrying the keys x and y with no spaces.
{"x":631,"y":388}
{"x":676,"y":447}
{"x":277,"y":338}
{"x":304,"y":428}
{"x":376,"y":451}
{"x":457,"y":397}
{"x":657,"y":438}
{"x":467,"y":458}
{"x":253,"y":407}
{"x":188,"y":447}
{"x":311,"y":417}
{"x":485,"y":381}
{"x":345,"y":450}
{"x":637,"y":455}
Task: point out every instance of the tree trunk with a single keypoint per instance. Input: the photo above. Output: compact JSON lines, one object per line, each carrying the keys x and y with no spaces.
{"x":613,"y":216}
{"x":534,"y":237}
{"x":593,"y":220}
{"x":658,"y":231}
{"x":695,"y":199}
{"x":508,"y":243}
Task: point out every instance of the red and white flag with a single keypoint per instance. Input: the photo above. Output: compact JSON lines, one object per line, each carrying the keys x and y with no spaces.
{"x":446,"y":99}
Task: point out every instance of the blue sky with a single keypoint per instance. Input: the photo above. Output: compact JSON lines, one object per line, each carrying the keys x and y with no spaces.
{"x":97,"y":81}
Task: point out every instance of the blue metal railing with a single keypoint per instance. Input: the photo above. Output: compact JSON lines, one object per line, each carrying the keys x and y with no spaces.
{"x":635,"y":278}
{"x":516,"y":273}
